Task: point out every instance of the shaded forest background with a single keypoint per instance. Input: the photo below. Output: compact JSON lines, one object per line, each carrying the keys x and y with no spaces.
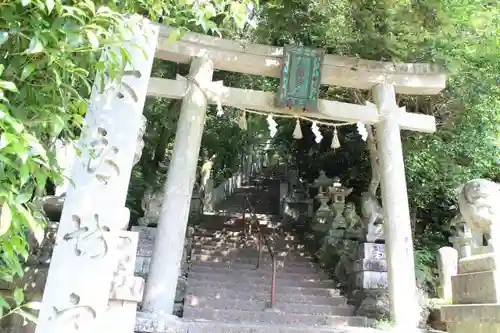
{"x":51,"y":51}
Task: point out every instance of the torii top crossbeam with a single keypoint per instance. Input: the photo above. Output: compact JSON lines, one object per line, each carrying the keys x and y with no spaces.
{"x":265,"y":60}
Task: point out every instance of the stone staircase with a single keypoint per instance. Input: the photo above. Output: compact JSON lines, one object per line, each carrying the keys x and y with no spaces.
{"x":227,"y":293}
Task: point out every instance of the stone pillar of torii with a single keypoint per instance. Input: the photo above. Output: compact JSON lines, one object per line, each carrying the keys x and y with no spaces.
{"x":88,"y":258}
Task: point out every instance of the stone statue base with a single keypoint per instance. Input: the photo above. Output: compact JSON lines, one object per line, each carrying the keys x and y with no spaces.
{"x":144,"y":256}
{"x":368,"y":276}
{"x":370,"y":268}
{"x":476,"y":296}
{"x":296,"y":210}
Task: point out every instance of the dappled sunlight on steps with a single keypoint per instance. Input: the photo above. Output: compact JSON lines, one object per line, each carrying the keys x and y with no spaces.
{"x":227,"y":293}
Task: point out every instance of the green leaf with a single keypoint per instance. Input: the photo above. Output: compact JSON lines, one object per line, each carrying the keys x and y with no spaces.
{"x":35,"y":46}
{"x":33,"y":305}
{"x":7,"y":85}
{"x":58,"y":125}
{"x":24,"y":3}
{"x":50,"y":5}
{"x":4,"y":36}
{"x":3,"y":303}
{"x":26,"y":315}
{"x":27,"y":70}
{"x":36,"y":227}
{"x":93,"y":39}
{"x":174,"y":35}
{"x":18,"y":296}
{"x":5,"y":218}
{"x":23,"y":198}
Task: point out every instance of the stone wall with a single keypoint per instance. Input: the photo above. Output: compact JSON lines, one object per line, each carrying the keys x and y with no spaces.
{"x":227,"y":187}
{"x":145,"y":252}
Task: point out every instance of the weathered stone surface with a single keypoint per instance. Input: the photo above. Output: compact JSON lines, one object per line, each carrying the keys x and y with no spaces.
{"x":127,"y":288}
{"x":447,"y":266}
{"x":374,"y":265}
{"x":146,"y":240}
{"x":374,"y":304}
{"x":477,"y":263}
{"x":151,"y":323}
{"x":142,"y":266}
{"x":371,"y":280}
{"x":476,"y":327}
{"x":373,"y":251}
{"x":485,"y":313}
{"x":475,"y":288}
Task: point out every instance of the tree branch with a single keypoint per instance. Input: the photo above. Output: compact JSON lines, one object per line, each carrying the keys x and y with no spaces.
{"x":371,"y":146}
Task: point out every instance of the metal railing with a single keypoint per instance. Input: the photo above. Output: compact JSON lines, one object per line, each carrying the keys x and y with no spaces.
{"x":262,"y":240}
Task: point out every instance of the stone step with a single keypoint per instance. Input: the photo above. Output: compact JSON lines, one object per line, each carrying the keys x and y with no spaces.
{"x":224,"y":294}
{"x":475,"y":288}
{"x":272,"y":317}
{"x":251,"y":252}
{"x":213,"y":327}
{"x":483,"y":313}
{"x":300,"y":272}
{"x":315,"y":309}
{"x":216,"y":286}
{"x":295,"y":262}
{"x":241,"y":239}
{"x":228,"y":276}
{"x":249,"y":244}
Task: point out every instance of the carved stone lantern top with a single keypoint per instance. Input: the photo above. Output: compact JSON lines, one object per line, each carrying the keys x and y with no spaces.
{"x":322,"y":182}
{"x":339,"y":192}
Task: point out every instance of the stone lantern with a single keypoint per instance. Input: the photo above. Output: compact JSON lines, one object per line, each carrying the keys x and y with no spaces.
{"x":338,"y":193}
{"x":322,"y":183}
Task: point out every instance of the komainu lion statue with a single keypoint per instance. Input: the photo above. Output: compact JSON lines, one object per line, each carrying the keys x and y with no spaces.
{"x":479,"y":205}
{"x":373,"y":217}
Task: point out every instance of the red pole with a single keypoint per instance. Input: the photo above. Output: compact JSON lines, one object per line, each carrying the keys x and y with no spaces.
{"x":273,"y":284}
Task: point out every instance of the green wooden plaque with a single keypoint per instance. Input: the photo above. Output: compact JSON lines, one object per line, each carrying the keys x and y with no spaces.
{"x":300,"y":78}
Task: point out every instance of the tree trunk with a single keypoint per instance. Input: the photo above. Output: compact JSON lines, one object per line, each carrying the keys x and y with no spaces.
{"x":371,"y":146}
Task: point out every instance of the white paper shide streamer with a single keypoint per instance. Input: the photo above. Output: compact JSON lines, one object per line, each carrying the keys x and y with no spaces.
{"x":297,"y":133}
{"x":272,"y":125}
{"x":335,"y":140}
{"x":362,"y":130}
{"x":316,"y":132}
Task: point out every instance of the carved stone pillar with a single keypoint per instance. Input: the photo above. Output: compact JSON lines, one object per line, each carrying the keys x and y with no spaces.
{"x":87,"y":251}
{"x":169,"y":243}
{"x":398,"y":235}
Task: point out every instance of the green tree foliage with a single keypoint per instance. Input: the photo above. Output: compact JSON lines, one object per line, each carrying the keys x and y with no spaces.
{"x":462,"y":37}
{"x":51,"y":50}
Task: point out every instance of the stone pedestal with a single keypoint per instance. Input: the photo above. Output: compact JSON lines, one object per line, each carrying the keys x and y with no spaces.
{"x":476,"y":296}
{"x":370,"y":267}
{"x":369,"y":276}
{"x":196,"y":209}
{"x":208,"y":198}
{"x":447,"y":267}
{"x":145,"y":252}
{"x":297,"y":210}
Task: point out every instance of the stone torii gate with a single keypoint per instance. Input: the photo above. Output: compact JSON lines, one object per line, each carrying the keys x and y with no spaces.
{"x":94,"y":254}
